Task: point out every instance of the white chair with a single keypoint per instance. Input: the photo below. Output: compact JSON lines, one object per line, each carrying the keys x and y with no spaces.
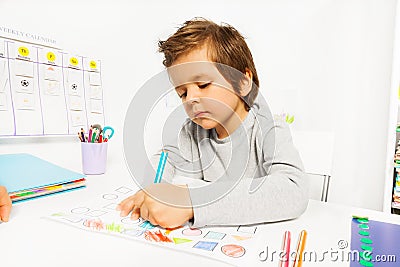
{"x":316,"y":151}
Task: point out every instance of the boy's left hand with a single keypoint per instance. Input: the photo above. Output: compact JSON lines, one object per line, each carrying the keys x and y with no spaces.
{"x":162,"y":204}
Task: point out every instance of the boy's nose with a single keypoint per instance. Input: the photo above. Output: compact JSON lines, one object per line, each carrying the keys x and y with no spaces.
{"x":193,"y":95}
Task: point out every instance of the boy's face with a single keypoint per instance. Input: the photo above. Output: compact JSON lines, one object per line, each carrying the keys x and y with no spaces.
{"x":208,"y":98}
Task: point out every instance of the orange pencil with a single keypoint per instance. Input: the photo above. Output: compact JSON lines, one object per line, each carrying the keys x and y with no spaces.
{"x":298,"y":261}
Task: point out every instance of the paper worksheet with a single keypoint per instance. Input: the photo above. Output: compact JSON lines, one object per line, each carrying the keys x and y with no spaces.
{"x":235,"y":245}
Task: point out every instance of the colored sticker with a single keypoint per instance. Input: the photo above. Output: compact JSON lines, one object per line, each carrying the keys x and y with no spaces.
{"x":366,"y":240}
{"x":363,"y":226}
{"x":366,"y":255}
{"x":74,"y":61}
{"x":51,"y":56}
{"x":364,"y":233}
{"x":366,"y":263}
{"x":192,"y":232}
{"x":366,"y":247}
{"x":234,"y":251}
{"x":23,"y":51}
{"x":205,"y":245}
{"x":93,"y":64}
{"x":362,"y":220}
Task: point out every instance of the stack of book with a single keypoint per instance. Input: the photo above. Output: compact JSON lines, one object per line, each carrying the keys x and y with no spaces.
{"x":26,"y":176}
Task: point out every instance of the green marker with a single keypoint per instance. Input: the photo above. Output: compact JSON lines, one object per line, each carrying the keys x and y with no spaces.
{"x":363,"y":226}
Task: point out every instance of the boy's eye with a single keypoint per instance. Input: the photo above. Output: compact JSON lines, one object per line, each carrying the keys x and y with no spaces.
{"x":203,"y":85}
{"x":182,"y":94}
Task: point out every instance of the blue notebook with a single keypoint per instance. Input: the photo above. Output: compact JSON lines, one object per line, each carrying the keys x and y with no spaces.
{"x":26,"y":176}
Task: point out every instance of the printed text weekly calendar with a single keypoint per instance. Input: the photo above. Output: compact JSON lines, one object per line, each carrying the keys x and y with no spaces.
{"x":46,"y":91}
{"x":229,"y":244}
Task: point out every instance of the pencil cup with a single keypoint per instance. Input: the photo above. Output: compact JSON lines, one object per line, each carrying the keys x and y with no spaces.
{"x":94,"y":157}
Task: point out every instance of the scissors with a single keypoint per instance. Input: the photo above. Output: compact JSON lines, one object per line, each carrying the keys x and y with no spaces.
{"x":105,"y":129}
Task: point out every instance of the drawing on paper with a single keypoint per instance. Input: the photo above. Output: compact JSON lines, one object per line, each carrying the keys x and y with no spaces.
{"x":229,"y":244}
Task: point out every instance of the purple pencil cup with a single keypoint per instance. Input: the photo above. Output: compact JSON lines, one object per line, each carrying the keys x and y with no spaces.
{"x":94,"y":157}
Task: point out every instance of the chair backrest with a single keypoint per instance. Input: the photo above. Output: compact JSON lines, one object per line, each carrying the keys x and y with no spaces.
{"x":316,"y":151}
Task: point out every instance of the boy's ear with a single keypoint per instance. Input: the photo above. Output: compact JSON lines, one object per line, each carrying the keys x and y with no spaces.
{"x":247,"y":83}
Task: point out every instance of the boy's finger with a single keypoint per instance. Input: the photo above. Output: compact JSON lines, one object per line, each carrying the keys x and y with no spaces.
{"x":126,"y":206}
{"x":5,"y":213}
{"x":152,"y":220}
{"x":135,"y":213}
{"x":144,"y":212}
{"x":5,"y":204}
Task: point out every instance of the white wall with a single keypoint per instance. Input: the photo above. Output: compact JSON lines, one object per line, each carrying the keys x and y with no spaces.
{"x":326,"y":61}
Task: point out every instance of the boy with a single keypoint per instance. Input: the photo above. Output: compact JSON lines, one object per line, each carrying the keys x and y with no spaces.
{"x":250,"y":171}
{"x":5,"y":204}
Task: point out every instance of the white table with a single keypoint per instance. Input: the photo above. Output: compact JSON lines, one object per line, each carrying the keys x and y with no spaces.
{"x":30,"y":240}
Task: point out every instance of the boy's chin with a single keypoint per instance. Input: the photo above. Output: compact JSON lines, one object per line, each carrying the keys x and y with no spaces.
{"x":205,"y":123}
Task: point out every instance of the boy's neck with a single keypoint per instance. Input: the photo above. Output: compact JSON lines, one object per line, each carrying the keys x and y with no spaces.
{"x":232,"y":124}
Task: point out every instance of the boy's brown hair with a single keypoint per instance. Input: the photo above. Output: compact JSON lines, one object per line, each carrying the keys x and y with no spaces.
{"x":225,"y":46}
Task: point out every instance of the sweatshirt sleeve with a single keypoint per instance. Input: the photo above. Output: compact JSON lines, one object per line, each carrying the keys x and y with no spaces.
{"x":281,"y":194}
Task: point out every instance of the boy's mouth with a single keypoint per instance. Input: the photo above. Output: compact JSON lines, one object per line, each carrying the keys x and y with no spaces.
{"x":200,"y":114}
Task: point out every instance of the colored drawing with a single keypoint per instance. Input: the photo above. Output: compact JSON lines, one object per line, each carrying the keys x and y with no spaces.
{"x":95,"y":224}
{"x":147,"y":225}
{"x":113,"y":227}
{"x":240,"y":238}
{"x":181,"y":240}
{"x":156,"y":236}
{"x":169,"y":230}
{"x":232,"y":250}
{"x":192,"y":232}
{"x":80,"y":210}
{"x":233,"y":245}
{"x":110,"y":196}
{"x":206,"y":245}
{"x":214,"y":235}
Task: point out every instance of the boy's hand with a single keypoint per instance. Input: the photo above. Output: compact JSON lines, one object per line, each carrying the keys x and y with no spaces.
{"x":162,"y":204}
{"x":5,"y":204}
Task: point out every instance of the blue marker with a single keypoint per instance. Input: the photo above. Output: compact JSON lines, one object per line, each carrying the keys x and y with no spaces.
{"x":161,"y":166}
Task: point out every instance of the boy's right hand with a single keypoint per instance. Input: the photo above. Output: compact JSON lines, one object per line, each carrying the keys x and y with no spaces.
{"x":174,"y":212}
{"x":5,"y":204}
